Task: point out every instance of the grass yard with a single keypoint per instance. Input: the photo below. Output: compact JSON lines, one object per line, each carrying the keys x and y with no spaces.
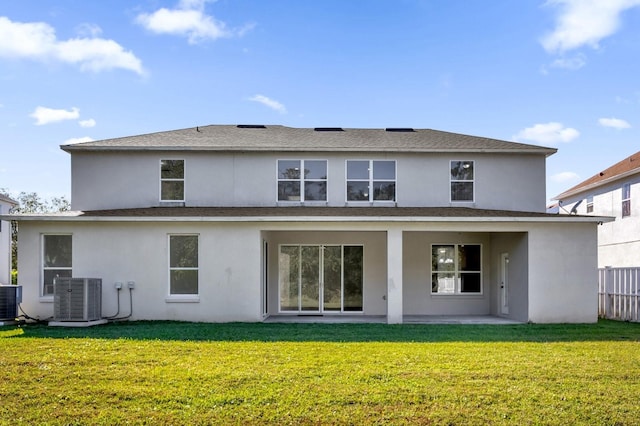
{"x":184,"y":373}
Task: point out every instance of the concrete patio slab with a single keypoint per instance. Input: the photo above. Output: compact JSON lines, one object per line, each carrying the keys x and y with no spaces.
{"x":381,"y":319}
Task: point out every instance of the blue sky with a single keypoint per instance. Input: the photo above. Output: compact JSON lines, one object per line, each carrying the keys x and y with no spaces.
{"x":559,"y":73}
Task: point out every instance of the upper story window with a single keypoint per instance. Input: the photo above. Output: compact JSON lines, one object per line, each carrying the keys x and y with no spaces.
{"x":56,"y":260}
{"x":371,"y":180}
{"x":171,"y":180}
{"x":302,"y":180}
{"x":183,"y":264}
{"x":626,"y":200}
{"x":456,"y":268}
{"x":462,"y":181}
{"x":590,"y":204}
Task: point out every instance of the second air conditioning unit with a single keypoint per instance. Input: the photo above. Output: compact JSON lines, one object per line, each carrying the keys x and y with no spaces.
{"x":77,"y":299}
{"x":10,"y":298}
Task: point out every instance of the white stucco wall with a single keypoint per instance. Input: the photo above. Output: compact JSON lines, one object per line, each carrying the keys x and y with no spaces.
{"x":620,"y":255}
{"x":563,"y":280}
{"x":109,"y":180}
{"x":5,"y":246}
{"x":229,"y":269}
{"x":552,"y":266}
{"x":619,"y":240}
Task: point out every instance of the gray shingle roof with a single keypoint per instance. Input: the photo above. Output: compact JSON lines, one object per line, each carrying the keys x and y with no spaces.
{"x":281,"y":138}
{"x":412,"y":214}
{"x":308,"y":215}
{"x":452,"y":212}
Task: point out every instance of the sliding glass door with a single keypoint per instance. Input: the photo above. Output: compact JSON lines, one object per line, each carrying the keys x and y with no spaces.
{"x":332,"y":279}
{"x":310,"y":278}
{"x":319,"y":278}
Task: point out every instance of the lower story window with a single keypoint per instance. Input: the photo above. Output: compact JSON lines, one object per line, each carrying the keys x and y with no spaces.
{"x":183,"y":264}
{"x":456,"y":269}
{"x":56,"y":260}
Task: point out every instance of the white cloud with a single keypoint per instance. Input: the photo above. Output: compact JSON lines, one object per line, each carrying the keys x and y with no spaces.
{"x":572,"y":63}
{"x":38,"y":41}
{"x":188,"y":19}
{"x":96,"y":54}
{"x":88,"y":30}
{"x":576,"y":62}
{"x":548,"y":133}
{"x":584,"y":22}
{"x":616,"y":123}
{"x":45,"y":115}
{"x":275,"y":105}
{"x":564,"y":177}
{"x":87,"y":123}
{"x":193,"y":4}
{"x":77,"y":140}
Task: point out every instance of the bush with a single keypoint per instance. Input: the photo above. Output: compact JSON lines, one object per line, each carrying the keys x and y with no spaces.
{"x":14,"y":276}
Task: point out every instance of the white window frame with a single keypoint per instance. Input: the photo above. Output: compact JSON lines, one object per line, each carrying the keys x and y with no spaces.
{"x":456,"y":272}
{"x":302,"y":181}
{"x":472,"y":181}
{"x":371,"y":181}
{"x":626,"y":187}
{"x":590,"y":204}
{"x":184,"y":186}
{"x":44,"y":268}
{"x":182,"y":297}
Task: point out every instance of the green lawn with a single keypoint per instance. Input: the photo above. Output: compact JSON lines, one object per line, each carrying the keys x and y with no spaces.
{"x":184,"y":373}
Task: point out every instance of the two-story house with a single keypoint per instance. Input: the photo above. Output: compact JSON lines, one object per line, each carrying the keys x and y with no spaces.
{"x":612,"y":192}
{"x":6,"y":204}
{"x":239,"y":223}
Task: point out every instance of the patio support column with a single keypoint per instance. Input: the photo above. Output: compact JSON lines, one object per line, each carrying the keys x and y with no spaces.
{"x":394,"y":276}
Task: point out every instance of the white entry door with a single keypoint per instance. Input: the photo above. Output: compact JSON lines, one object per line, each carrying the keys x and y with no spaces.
{"x":504,"y":283}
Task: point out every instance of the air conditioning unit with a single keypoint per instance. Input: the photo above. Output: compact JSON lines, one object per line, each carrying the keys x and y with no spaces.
{"x":10,"y":298}
{"x":77,"y":299}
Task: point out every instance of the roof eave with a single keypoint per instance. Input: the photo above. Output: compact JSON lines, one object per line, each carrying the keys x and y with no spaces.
{"x":71,"y":149}
{"x":79,"y":217}
{"x":604,"y":182}
{"x":8,"y":200}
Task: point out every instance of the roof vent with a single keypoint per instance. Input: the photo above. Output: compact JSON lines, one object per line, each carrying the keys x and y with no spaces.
{"x":399,"y":129}
{"x":251,"y":126}
{"x":328,"y":129}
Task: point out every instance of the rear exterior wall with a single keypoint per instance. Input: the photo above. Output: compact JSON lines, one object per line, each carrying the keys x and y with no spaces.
{"x":115,"y":180}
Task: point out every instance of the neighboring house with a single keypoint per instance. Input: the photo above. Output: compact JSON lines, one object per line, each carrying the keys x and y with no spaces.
{"x":238,"y":223}
{"x":612,"y":192}
{"x":6,"y":204}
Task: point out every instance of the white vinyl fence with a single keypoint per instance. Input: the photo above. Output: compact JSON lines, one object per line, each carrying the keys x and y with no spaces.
{"x":619,"y":293}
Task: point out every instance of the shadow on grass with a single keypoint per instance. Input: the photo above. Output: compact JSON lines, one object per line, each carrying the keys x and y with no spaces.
{"x":273,"y":332}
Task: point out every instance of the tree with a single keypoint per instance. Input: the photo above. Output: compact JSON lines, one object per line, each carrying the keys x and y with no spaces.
{"x":31,"y":203}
